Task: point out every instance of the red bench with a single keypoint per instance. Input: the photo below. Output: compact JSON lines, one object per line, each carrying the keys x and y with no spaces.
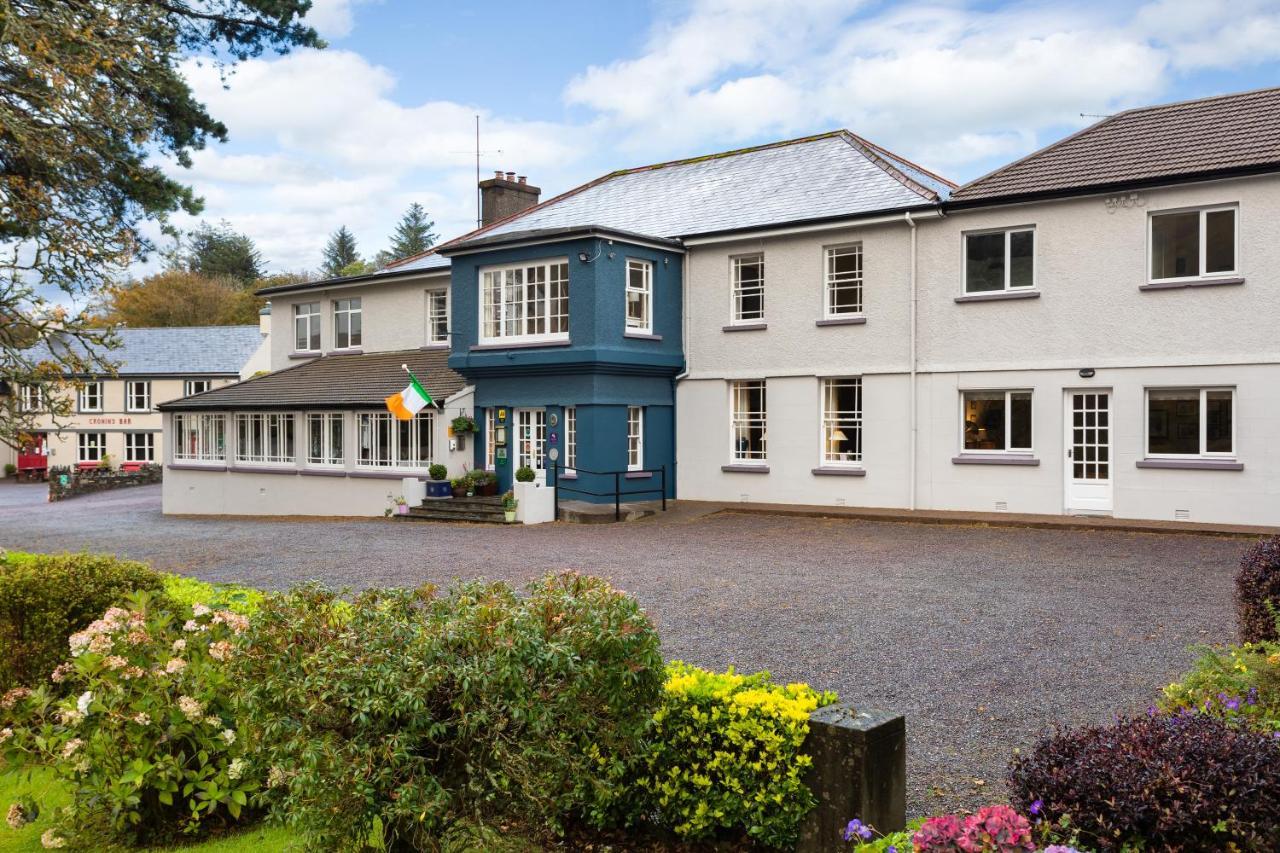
{"x":87,"y":466}
{"x":131,"y":467}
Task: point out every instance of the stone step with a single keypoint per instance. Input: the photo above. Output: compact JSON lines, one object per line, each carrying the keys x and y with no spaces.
{"x":478,"y":504}
{"x":416,"y":514}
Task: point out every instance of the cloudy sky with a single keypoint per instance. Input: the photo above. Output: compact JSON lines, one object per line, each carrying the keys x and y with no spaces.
{"x":567,"y":91}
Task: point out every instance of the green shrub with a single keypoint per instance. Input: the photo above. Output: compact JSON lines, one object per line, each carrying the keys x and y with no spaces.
{"x":406,"y":714}
{"x":45,"y":598}
{"x":726,"y":755}
{"x":524,"y":474}
{"x":1239,"y":684}
{"x":188,"y":592}
{"x":145,"y":739}
{"x":438,"y":472}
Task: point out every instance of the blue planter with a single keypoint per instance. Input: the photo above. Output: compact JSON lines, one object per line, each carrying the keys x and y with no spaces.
{"x":437,"y":489}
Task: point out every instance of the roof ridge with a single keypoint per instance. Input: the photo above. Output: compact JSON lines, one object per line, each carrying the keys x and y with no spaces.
{"x":1188,"y":101}
{"x":169,"y":328}
{"x":893,"y":155}
{"x":734,"y":152}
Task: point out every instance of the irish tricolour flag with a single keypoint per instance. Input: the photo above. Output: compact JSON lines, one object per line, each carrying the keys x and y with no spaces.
{"x":410,"y":401}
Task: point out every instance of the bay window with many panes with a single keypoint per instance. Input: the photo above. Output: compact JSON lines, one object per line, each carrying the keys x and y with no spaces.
{"x":996,"y":421}
{"x":999,"y":261}
{"x":748,"y":421}
{"x":264,"y":438}
{"x":1188,"y":245}
{"x":1191,"y":422}
{"x":525,"y":302}
{"x":324,"y":439}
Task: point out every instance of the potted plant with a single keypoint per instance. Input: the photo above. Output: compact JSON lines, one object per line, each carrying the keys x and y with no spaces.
{"x":486,"y":483}
{"x":399,"y":506}
{"x":438,"y":486}
{"x":104,"y":464}
{"x":509,"y":504}
{"x":459,"y":486}
{"x":463,"y":424}
{"x":524,"y":474}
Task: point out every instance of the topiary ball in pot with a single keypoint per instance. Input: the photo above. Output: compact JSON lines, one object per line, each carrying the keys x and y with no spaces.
{"x":524,"y":474}
{"x":438,"y":472}
{"x":1258,"y":592}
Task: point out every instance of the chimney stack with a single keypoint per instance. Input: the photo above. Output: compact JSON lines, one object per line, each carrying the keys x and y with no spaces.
{"x":504,"y":195}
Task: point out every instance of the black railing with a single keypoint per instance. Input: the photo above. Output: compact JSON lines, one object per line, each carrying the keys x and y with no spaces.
{"x":617,"y":494}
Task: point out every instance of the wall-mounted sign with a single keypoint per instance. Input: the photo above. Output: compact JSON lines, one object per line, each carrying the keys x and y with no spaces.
{"x":553,"y":454}
{"x":502,"y":414}
{"x":110,"y":421}
{"x":553,"y":419}
{"x":500,"y":454}
{"x":553,"y":438}
{"x":499,"y":436}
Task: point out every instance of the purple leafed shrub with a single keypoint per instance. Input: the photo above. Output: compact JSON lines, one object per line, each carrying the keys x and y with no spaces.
{"x":1183,"y":782}
{"x":1258,"y":592}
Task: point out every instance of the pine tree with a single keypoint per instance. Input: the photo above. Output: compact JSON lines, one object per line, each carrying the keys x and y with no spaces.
{"x":340,"y":252}
{"x":413,"y":235}
{"x":221,"y":252}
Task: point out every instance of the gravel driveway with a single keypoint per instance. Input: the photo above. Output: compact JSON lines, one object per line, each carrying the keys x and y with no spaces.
{"x":983,"y":637}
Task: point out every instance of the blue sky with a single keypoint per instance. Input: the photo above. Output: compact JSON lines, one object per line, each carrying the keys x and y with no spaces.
{"x":569,"y":90}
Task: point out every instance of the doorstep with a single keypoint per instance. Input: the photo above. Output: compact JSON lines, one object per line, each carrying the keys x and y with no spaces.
{"x":585,"y":512}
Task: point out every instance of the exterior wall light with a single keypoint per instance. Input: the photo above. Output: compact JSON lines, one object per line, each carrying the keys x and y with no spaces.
{"x":1087,"y":372}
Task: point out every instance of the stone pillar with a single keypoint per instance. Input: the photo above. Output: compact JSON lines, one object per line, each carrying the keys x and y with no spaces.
{"x":859,"y":770}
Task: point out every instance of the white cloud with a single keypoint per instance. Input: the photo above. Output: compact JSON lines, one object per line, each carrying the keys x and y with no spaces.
{"x":333,"y":18}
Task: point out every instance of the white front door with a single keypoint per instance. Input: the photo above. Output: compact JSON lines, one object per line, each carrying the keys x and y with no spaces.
{"x":1089,"y":459}
{"x":531,"y":439}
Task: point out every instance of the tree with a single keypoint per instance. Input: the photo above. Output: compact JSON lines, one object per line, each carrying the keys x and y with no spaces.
{"x":413,"y":236}
{"x":340,"y":252}
{"x":221,"y":252}
{"x":90,"y":95}
{"x":181,"y":298}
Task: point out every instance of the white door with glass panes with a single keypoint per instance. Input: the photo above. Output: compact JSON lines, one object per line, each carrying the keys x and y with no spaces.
{"x":531,"y":440}
{"x":1089,"y":462}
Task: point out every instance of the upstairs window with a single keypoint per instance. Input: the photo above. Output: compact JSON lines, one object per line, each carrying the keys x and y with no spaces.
{"x":639,"y":296}
{"x":91,"y":397}
{"x":1191,"y":422}
{"x":437,"y":317}
{"x":997,"y":421}
{"x":30,"y":398}
{"x":635,"y":438}
{"x":527,"y":302}
{"x":137,"y":395}
{"x":1192,"y":244}
{"x":748,"y":289}
{"x":844,"y":281}
{"x":195,"y":386}
{"x":748,"y":420}
{"x":999,"y":260}
{"x":306,"y":327}
{"x":346,"y":323}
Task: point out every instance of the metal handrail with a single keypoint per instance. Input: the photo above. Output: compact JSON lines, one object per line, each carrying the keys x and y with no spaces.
{"x":617,"y":486}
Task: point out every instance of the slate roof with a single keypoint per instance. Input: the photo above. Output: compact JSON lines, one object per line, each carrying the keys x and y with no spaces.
{"x":1182,"y":141}
{"x":185,"y":350}
{"x":332,"y":382}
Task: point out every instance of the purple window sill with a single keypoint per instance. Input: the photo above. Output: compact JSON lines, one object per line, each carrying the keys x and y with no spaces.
{"x":745,"y":469}
{"x":194,"y":466}
{"x":994,"y":459}
{"x":262,"y":469}
{"x":1193,"y":464}
{"x":841,"y":321}
{"x":745,"y":327}
{"x":832,"y":471}
{"x":300,"y":355}
{"x":347,"y":351}
{"x":638,"y":475}
{"x":999,"y":296}
{"x":642,"y":336}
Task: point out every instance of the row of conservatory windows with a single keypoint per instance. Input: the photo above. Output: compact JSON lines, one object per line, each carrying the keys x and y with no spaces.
{"x":380,"y":440}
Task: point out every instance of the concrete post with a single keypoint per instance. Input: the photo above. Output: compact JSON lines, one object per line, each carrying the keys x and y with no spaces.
{"x":859,"y":770}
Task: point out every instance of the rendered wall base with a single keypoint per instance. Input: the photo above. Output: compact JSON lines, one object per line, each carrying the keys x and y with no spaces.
{"x":188,"y":492}
{"x":537,"y":503}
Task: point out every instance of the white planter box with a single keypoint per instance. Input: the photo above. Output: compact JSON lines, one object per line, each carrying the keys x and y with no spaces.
{"x":537,"y":503}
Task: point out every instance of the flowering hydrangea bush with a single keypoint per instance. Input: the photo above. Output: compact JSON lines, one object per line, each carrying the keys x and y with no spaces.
{"x":994,"y":829}
{"x":726,"y":754}
{"x":144,"y":739}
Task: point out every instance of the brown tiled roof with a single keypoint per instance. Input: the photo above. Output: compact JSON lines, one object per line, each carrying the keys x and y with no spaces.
{"x":333,"y":382}
{"x":1222,"y":135}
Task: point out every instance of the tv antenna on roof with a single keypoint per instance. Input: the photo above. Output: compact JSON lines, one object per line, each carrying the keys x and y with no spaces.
{"x":1082,"y":115}
{"x":478,"y":152}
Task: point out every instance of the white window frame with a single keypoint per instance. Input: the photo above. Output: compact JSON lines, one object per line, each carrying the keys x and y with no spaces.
{"x":644,"y":324}
{"x":353,"y":309}
{"x":131,"y":395}
{"x":831,"y":284}
{"x":189,"y":386}
{"x":437,"y":307}
{"x":331,"y":425}
{"x":1201,"y":275}
{"x":209,"y":432}
{"x":99,"y":447}
{"x":266,"y":438}
{"x":30,"y":398}
{"x":1008,"y":449}
{"x":635,"y":438}
{"x":147,"y":442}
{"x":570,"y":439}
{"x":737,"y":291}
{"x":490,"y":452}
{"x":1008,"y":265}
{"x":310,"y":319}
{"x":1203,"y":391}
{"x":91,"y":389}
{"x":839,"y":421}
{"x":394,"y":459}
{"x":737,"y":419}
{"x":499,"y":307}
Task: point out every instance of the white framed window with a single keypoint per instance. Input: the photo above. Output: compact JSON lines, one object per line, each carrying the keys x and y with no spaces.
{"x":437,"y":316}
{"x":635,"y":438}
{"x":196,"y":386}
{"x":999,"y":260}
{"x":747,"y":275}
{"x":347,"y":323}
{"x":843,"y":283}
{"x":528,"y":301}
{"x":639,"y":296}
{"x":748,"y":421}
{"x":91,"y":446}
{"x":137,"y":395}
{"x":1193,"y":244}
{"x":139,"y":447}
{"x":1184,"y":422}
{"x":30,"y":398}
{"x":306,"y":327}
{"x":324,"y":438}
{"x":996,"y":421}
{"x":490,"y":452}
{"x":263,"y":438}
{"x":386,"y":442}
{"x":571,"y":438}
{"x":199,"y":437}
{"x":842,"y":421}
{"x":90,"y":396}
